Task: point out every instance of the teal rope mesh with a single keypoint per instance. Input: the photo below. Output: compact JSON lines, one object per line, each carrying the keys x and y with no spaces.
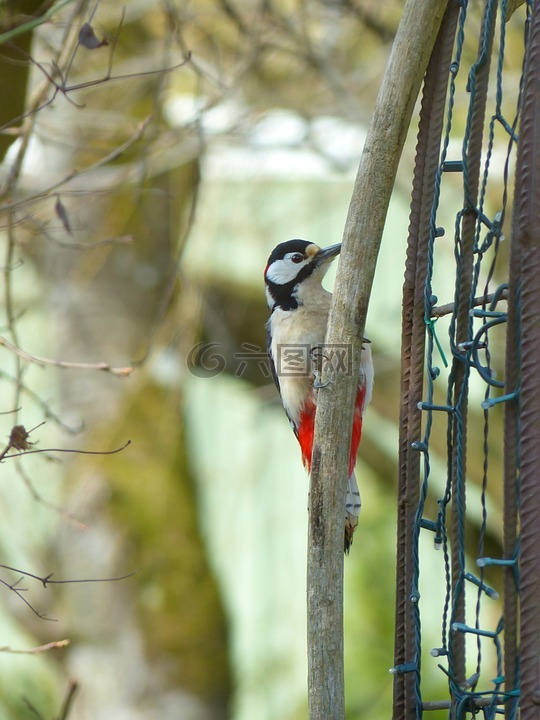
{"x":472,"y":357}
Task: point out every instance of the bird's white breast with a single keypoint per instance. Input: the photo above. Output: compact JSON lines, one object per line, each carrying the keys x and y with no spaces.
{"x":294,"y":335}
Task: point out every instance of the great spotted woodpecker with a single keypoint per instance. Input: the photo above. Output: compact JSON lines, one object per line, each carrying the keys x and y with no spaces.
{"x":296,"y":334}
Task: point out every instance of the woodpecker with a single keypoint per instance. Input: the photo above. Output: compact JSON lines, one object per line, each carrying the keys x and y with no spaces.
{"x":296,"y":332}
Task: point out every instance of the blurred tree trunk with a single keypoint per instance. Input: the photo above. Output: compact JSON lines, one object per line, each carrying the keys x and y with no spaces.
{"x":14,"y":63}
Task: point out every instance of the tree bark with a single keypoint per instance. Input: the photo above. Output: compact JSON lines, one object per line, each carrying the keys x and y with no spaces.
{"x":361,"y":241}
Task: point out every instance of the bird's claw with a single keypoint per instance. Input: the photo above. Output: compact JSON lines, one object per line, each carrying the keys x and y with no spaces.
{"x":317,"y":357}
{"x":316,"y":354}
{"x":317,"y":384}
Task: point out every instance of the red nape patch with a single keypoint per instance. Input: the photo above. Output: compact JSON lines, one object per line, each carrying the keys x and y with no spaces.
{"x":306,"y":428}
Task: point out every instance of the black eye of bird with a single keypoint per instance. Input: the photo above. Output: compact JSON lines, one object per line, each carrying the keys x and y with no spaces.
{"x":297,"y":258}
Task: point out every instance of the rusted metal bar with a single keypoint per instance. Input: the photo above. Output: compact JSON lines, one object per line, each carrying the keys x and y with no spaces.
{"x":526,"y":234}
{"x":472,"y":161}
{"x":413,"y":345}
{"x":511,"y":411}
{"x":510,"y":478}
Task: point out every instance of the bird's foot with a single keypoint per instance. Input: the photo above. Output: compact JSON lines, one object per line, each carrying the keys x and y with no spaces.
{"x":317,"y":384}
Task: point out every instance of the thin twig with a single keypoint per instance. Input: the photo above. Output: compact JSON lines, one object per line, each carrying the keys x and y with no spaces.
{"x":65,"y":89}
{"x":46,"y":580}
{"x":32,"y":24}
{"x":38,"y":101}
{"x":10,"y":312}
{"x":49,"y":414}
{"x":120,"y":240}
{"x":65,"y":364}
{"x":68,"y":450}
{"x":126,"y":76}
{"x":54,"y":645}
{"x":38,"y":497}
{"x":72,"y":689}
{"x":66,"y":705}
{"x":19,"y":593}
{"x":75,"y":174}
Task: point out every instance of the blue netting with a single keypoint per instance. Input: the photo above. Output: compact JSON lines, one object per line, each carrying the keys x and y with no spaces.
{"x":473,"y":339}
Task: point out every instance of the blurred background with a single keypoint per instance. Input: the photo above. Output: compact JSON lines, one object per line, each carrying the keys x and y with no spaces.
{"x":153,"y":155}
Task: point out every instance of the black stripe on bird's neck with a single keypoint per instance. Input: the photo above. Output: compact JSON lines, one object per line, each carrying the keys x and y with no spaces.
{"x":284,"y":295}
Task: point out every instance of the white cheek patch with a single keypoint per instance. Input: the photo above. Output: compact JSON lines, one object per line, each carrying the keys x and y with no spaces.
{"x":283,"y":271}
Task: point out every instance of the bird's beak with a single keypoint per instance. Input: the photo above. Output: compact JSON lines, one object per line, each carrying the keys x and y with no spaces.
{"x":328,"y":253}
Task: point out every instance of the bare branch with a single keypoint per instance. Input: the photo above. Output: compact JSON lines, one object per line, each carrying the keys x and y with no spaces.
{"x":42,"y":404}
{"x":38,"y":101}
{"x":43,"y":362}
{"x":38,"y":497}
{"x":68,"y":450}
{"x":122,"y":240}
{"x":63,"y":88}
{"x":72,"y":689}
{"x":54,"y":645}
{"x":127,"y":76}
{"x":32,"y":24}
{"x":18,"y":440}
{"x":46,"y":581}
{"x":66,"y":705}
{"x":9,"y":305}
{"x":10,"y":412}
{"x":19,"y":593}
{"x":106,"y":160}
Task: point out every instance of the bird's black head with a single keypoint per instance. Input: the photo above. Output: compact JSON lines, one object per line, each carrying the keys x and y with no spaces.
{"x":291,"y":263}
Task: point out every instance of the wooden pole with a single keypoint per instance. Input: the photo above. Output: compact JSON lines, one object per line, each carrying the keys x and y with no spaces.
{"x":361,"y":241}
